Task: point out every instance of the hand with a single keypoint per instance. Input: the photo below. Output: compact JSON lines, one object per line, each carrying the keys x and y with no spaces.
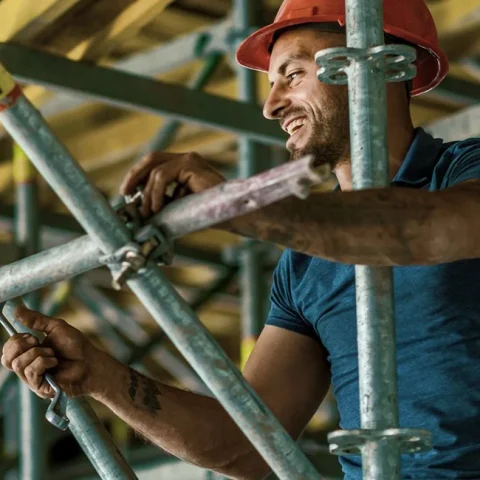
{"x":159,"y":170}
{"x":66,"y":353}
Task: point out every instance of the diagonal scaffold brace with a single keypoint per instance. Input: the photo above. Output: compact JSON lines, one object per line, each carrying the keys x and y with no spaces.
{"x":110,"y":237}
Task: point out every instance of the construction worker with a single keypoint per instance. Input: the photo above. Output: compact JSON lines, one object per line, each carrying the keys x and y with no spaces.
{"x":426,"y":226}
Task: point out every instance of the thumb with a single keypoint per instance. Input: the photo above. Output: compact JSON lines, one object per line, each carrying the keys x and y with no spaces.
{"x":34,"y":320}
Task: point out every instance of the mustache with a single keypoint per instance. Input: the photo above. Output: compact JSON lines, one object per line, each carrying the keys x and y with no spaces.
{"x":292,"y":112}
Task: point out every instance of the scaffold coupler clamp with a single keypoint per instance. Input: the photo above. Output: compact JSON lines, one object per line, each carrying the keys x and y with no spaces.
{"x":395,"y":60}
{"x":149,"y":244}
{"x":57,"y":410}
{"x":129,"y":211}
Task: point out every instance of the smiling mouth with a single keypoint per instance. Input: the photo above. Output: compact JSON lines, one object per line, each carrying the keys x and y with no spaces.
{"x":294,"y":130}
{"x":295,"y":125}
{"x":293,"y":138}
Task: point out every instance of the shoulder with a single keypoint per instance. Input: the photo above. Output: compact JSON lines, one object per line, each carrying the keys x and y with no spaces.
{"x":293,"y":263}
{"x":459,"y":162}
{"x":461,"y":147}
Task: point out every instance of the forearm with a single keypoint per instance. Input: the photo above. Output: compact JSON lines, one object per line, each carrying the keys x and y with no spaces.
{"x":192,"y":427}
{"x":383,"y":227}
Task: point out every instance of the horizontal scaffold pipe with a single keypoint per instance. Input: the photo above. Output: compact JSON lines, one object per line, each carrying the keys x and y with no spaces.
{"x":186,"y":215}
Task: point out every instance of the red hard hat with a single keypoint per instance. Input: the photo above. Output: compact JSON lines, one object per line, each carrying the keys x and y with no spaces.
{"x":409,"y":20}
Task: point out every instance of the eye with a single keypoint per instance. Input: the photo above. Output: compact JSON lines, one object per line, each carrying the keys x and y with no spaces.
{"x":292,"y":76}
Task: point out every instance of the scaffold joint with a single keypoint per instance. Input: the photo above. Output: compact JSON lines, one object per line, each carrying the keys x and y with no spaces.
{"x":406,"y":440}
{"x":395,"y":60}
{"x":150,"y":244}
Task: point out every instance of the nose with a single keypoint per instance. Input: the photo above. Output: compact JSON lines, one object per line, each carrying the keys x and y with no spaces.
{"x":276,"y":102}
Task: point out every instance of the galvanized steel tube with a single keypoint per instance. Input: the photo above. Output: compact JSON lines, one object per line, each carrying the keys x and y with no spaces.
{"x":375,"y":308}
{"x":172,"y":314}
{"x":253,"y":281}
{"x":64,"y":175}
{"x":33,"y":453}
{"x":96,"y":442}
{"x":11,"y":440}
{"x":51,"y":266}
{"x":183,"y":216}
{"x":238,"y":197}
{"x":216,"y":370}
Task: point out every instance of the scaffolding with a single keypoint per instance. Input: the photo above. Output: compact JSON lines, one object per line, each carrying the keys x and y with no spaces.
{"x":133,"y":251}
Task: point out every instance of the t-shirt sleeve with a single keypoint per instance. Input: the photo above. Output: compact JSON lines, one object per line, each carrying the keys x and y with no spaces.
{"x":465,"y":164}
{"x":283,"y":313}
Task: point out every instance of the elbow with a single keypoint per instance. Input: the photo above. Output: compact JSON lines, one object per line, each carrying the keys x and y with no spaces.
{"x":246,"y":466}
{"x":447,"y":238}
{"x":239,"y":461}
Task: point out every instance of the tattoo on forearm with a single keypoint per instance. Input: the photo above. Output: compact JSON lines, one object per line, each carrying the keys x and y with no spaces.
{"x":149,"y":390}
{"x":150,"y":399}
{"x":133,"y":385}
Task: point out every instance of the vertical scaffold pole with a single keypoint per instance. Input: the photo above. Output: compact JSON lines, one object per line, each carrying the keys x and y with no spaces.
{"x":252,"y":159}
{"x":374,"y":286}
{"x":368,"y":65}
{"x":27,"y":233}
{"x":10,"y":430}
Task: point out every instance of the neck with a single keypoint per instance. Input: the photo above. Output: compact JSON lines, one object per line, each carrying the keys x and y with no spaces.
{"x":400,"y":138}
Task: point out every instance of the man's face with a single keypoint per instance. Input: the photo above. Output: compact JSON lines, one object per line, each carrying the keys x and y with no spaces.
{"x":314,"y":114}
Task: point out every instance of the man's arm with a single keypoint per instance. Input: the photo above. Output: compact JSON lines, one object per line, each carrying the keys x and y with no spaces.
{"x":382,"y":227}
{"x":288,"y":370}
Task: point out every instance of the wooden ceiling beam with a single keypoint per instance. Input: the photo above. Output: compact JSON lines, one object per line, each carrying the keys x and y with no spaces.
{"x":173,"y":22}
{"x":107,"y":146}
{"x":23,"y":20}
{"x":98,"y":44}
{"x":126,"y":25}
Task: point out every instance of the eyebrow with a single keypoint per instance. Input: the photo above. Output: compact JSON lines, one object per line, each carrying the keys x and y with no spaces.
{"x":302,"y":55}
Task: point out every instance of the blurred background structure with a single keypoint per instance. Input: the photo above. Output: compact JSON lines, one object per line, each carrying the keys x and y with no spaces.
{"x":58,"y":50}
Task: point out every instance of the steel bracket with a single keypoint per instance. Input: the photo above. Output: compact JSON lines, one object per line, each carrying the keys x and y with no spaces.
{"x":395,"y":60}
{"x":352,"y":442}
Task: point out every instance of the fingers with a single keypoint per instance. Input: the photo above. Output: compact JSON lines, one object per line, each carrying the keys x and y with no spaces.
{"x":16,"y":346}
{"x":159,"y":170}
{"x":30,"y":365}
{"x":34,"y":375}
{"x":141,"y":170}
{"x":156,"y":188}
{"x":35,"y":320}
{"x":34,"y":362}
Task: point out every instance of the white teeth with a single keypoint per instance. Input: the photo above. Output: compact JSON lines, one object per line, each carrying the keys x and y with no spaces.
{"x":295,"y":125}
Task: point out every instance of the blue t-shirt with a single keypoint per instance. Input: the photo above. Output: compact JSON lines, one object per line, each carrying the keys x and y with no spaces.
{"x":438,"y":328}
